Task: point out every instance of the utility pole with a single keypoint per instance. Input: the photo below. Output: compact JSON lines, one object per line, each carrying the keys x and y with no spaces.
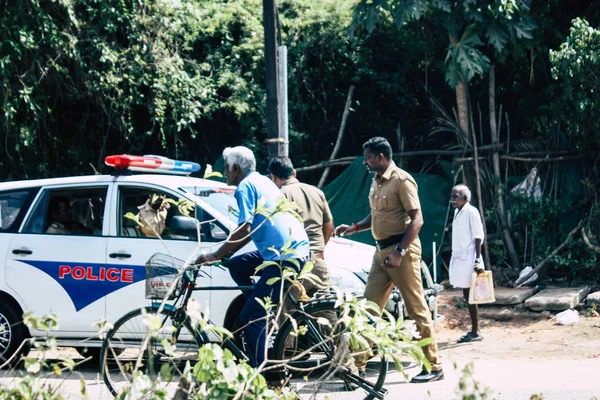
{"x":283,"y":97}
{"x":272,"y":86}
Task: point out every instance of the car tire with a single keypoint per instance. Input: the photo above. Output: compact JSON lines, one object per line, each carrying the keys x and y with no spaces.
{"x":12,"y":335}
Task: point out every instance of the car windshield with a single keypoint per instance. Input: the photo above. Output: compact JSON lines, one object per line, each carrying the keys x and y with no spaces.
{"x":220,"y":198}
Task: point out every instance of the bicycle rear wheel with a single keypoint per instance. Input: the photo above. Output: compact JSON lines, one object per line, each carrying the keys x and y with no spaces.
{"x":122,"y":349}
{"x":315,"y":372}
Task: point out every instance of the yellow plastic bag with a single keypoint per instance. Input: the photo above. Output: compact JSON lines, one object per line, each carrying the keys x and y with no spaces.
{"x":482,"y":288}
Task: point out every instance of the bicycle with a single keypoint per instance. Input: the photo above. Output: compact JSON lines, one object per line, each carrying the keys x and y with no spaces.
{"x":309,"y":360}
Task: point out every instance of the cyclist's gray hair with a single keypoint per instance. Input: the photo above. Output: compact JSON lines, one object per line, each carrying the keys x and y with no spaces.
{"x":242,"y":156}
{"x":464,"y":189}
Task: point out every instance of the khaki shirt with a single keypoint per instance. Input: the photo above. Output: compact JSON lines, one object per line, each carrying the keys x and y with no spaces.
{"x":58,"y":228}
{"x":313,"y":208}
{"x":390,"y":197}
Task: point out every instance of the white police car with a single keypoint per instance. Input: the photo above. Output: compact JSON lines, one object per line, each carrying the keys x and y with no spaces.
{"x":92,"y":266}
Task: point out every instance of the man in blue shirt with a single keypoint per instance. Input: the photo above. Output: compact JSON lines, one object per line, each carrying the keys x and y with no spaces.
{"x":252,"y":188}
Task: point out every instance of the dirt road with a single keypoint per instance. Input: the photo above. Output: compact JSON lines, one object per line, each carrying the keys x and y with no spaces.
{"x":522,"y":354}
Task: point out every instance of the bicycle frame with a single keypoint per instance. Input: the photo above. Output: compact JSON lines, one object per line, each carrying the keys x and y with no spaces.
{"x":179,"y":303}
{"x":190,"y":287}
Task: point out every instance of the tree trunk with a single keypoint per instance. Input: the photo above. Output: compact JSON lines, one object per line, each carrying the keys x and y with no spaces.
{"x":500,"y":209}
{"x":462,"y":105}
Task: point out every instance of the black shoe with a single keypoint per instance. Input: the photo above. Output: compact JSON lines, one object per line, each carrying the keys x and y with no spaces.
{"x":468,"y":338}
{"x":426,"y":377}
{"x":275,"y":379}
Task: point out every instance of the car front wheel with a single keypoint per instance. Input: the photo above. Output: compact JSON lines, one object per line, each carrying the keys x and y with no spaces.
{"x":12,"y":335}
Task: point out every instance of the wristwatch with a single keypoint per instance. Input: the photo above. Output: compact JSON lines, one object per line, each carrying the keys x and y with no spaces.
{"x":401,"y":251}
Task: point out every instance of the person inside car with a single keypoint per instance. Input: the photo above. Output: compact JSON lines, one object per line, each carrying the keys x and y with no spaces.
{"x":153,"y":216}
{"x":60,"y":216}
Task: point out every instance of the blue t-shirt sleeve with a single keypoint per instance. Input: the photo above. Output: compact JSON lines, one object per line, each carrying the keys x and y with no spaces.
{"x":246,"y":203}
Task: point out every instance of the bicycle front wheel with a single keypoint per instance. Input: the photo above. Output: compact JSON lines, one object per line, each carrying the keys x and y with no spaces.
{"x":135,"y":344}
{"x":315,"y":365}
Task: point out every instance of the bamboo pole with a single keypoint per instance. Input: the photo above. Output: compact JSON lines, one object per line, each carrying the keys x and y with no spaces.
{"x":525,"y":159}
{"x":338,"y":142}
{"x":509,"y":244}
{"x":400,"y":145}
{"x":418,"y":153}
{"x":486,"y":252}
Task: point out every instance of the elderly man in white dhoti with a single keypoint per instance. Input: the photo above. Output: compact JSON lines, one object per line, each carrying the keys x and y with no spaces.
{"x":467,"y":236}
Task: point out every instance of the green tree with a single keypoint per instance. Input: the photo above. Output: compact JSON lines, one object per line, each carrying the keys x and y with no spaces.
{"x":576,"y":68}
{"x":80,"y":78}
{"x":469,"y":24}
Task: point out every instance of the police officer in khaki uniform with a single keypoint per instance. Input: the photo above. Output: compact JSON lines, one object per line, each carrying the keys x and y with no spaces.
{"x":60,"y":215}
{"x":314,"y":210}
{"x":395,"y":221}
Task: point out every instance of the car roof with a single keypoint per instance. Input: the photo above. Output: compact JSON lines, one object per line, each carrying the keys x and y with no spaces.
{"x":171,"y":181}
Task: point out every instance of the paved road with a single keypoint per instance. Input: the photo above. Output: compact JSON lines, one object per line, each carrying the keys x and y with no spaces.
{"x":507,"y":379}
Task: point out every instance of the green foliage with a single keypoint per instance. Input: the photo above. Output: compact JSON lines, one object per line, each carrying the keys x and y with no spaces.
{"x":537,"y":218}
{"x":575,"y":66}
{"x":322,"y":64}
{"x":533,"y":220}
{"x":80,"y":80}
{"x":464,"y":60}
{"x":28,"y":388}
{"x":535,"y":215}
{"x":470,"y":24}
{"x":577,"y":263}
{"x":497,"y":252}
{"x":471,"y":389}
{"x":31,"y":385}
{"x":137,"y":72}
{"x":369,"y":334}
{"x":220,"y":376}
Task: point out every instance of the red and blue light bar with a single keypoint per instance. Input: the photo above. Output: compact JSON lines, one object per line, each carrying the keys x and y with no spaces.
{"x":151,"y":163}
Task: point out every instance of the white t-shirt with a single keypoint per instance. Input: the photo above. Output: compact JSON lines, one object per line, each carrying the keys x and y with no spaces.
{"x":466,"y":227}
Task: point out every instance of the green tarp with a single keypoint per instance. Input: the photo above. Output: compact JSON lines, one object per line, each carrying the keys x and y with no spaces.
{"x":348,"y":199}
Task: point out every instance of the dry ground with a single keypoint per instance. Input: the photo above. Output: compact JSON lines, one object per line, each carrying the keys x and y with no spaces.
{"x":515,"y":333}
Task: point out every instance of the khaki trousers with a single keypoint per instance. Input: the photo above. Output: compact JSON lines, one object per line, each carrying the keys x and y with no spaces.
{"x":407,"y":278}
{"x":320,"y":270}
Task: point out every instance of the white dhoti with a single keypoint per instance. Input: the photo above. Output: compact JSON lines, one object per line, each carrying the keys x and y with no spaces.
{"x":461,"y":267}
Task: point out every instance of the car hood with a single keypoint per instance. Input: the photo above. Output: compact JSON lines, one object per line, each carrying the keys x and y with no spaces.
{"x":350,"y":255}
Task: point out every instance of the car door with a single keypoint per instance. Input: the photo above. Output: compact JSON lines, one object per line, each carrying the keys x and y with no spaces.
{"x":133,"y":242}
{"x":63,"y":273}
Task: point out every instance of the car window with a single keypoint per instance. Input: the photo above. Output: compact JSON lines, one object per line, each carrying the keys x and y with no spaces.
{"x":72,"y":211}
{"x":219,"y":198}
{"x":11,"y":204}
{"x":150,"y":213}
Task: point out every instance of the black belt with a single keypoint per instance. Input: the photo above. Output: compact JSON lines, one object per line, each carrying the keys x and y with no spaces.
{"x":391,"y":241}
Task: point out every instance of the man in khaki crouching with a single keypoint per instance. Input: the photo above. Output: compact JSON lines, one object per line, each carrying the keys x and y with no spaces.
{"x":395,"y":221}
